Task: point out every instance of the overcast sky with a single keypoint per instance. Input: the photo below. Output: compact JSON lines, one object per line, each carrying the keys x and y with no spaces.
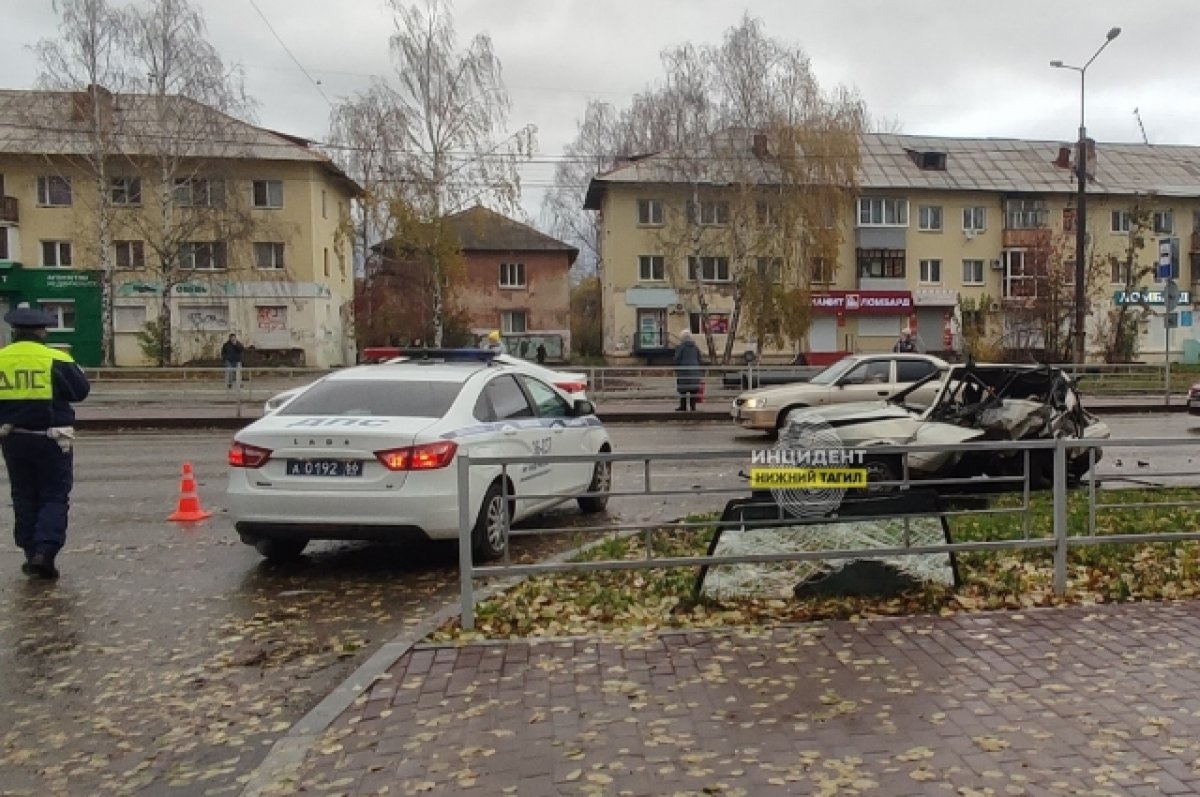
{"x":961,"y":68}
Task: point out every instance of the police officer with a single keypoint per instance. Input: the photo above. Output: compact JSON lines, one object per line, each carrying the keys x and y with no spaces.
{"x":37,"y":385}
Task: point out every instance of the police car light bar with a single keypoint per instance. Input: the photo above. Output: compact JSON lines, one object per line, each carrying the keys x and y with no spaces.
{"x":450,"y":355}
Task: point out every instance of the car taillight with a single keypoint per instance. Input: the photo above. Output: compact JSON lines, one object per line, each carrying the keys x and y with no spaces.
{"x":429,"y":456}
{"x":571,"y":387}
{"x":242,"y":455}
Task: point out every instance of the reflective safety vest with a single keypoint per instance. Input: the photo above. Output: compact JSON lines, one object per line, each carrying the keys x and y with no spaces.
{"x":25,"y":371}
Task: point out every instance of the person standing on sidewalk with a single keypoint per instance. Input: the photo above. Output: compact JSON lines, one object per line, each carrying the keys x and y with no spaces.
{"x":37,"y":386}
{"x":231,"y":355}
{"x":687,"y":371}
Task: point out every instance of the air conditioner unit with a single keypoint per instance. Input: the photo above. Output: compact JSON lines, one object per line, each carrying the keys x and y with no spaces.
{"x":676,"y":309}
{"x":994,"y":307}
{"x":970,"y":234}
{"x":997,"y":265}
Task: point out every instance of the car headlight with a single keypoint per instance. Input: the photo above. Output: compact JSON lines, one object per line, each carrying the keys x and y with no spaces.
{"x":755,"y":403}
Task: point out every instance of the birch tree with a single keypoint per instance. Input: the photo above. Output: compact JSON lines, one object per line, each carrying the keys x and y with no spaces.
{"x":185,"y":126}
{"x":454,"y":109}
{"x":89,"y":56}
{"x":763,"y":164}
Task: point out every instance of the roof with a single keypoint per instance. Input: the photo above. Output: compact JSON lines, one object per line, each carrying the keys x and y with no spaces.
{"x":409,"y":370}
{"x":971,"y":164}
{"x":54,"y":123}
{"x":480,"y":229}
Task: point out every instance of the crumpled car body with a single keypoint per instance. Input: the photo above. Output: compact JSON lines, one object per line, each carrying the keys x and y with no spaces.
{"x":976,"y":402}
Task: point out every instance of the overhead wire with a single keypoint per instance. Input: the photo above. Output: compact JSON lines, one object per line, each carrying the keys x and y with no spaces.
{"x":316,"y":83}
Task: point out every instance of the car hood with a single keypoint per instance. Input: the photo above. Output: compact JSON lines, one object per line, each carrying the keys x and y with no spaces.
{"x":785,"y":392}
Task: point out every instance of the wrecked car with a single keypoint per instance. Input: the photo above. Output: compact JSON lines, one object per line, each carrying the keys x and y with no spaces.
{"x":976,"y":402}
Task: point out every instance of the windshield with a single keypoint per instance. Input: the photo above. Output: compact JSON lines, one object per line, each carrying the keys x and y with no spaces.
{"x":834,"y":372}
{"x":375,"y":397}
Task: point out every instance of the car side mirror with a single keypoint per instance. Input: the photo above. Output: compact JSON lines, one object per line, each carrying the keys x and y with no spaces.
{"x":583,"y":407}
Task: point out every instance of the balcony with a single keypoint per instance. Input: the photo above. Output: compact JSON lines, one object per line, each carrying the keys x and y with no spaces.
{"x":8,"y":209}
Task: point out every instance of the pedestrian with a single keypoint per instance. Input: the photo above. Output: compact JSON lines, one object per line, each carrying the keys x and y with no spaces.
{"x":905,"y":343}
{"x":37,"y":385}
{"x":494,"y":343}
{"x":231,"y":355}
{"x":687,"y":371}
{"x":541,"y":354}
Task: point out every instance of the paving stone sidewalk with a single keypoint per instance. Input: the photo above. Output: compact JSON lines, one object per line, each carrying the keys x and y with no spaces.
{"x":1101,"y":700}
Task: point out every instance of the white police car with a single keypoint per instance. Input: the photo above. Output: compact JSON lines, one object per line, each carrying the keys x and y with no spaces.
{"x":370,"y":453}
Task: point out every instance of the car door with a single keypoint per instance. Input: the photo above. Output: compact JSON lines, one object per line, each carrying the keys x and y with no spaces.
{"x":870,"y":380}
{"x":910,"y":371}
{"x":560,"y":437}
{"x":516,"y":433}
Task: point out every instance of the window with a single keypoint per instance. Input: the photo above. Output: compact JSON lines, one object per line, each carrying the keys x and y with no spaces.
{"x":913,"y":370}
{"x":881,"y":263}
{"x":3,"y":243}
{"x":1164,"y":222}
{"x":868,"y":373}
{"x":708,"y":269}
{"x":268,"y":255}
{"x":768,"y":214}
{"x":1118,"y":272}
{"x":54,"y":191}
{"x":375,"y":397}
{"x":650,"y":212}
{"x":820,"y":271}
{"x":1068,"y":219}
{"x":56,"y":254}
{"x":507,"y":400}
{"x":63,"y":311}
{"x":1020,"y":275}
{"x":1025,"y":214}
{"x":1120,"y":221}
{"x":268,"y":194}
{"x":975,"y":219}
{"x":929,"y":218}
{"x":546,"y":402}
{"x":717,"y":323}
{"x":769,"y":269}
{"x":931,"y":271}
{"x":202,"y":256}
{"x":652,"y":268}
{"x":199,"y":192}
{"x":513,"y":322}
{"x":129,"y":254}
{"x":881,"y":212}
{"x":972,"y":272}
{"x":712,"y":214}
{"x":512,"y":275}
{"x":126,"y":190}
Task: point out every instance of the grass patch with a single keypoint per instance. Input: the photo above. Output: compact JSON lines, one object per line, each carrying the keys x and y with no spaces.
{"x":642,"y":600}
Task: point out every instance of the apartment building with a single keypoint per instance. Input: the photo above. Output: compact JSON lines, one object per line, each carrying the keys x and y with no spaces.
{"x":230,"y":227}
{"x":945,"y":234}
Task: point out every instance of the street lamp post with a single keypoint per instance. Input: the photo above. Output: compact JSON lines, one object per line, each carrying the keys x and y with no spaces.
{"x":1081,"y":206}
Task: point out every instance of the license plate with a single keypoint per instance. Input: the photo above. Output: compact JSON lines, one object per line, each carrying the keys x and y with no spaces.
{"x":324,"y":467}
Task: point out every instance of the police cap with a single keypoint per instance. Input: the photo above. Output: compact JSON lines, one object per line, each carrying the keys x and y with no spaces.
{"x":28,"y":318}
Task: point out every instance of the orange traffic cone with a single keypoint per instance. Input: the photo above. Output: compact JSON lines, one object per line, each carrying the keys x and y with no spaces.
{"x":189,"y":502}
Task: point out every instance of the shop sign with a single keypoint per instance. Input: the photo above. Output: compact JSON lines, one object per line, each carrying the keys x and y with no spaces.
{"x":191,"y":289}
{"x":1149,"y":297}
{"x":864,"y":302}
{"x":55,"y":279}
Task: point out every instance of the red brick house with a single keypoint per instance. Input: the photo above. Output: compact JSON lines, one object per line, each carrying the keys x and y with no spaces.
{"x":516,"y":282}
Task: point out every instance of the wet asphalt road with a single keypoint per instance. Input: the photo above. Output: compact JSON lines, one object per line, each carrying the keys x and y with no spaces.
{"x":169,"y":658}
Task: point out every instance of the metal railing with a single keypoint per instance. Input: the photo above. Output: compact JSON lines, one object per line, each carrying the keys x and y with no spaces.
{"x":1059,"y":540}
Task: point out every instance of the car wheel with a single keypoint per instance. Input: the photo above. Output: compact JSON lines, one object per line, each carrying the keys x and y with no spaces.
{"x":781,"y":418}
{"x":881,"y":469}
{"x":274,"y":550}
{"x":489,"y":536}
{"x":601,"y":483}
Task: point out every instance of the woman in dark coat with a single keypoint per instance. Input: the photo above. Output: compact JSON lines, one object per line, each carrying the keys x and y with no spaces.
{"x":687,"y":371}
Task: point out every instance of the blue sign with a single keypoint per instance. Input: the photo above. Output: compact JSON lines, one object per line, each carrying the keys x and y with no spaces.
{"x":1185,"y":318}
{"x":1149,"y":297}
